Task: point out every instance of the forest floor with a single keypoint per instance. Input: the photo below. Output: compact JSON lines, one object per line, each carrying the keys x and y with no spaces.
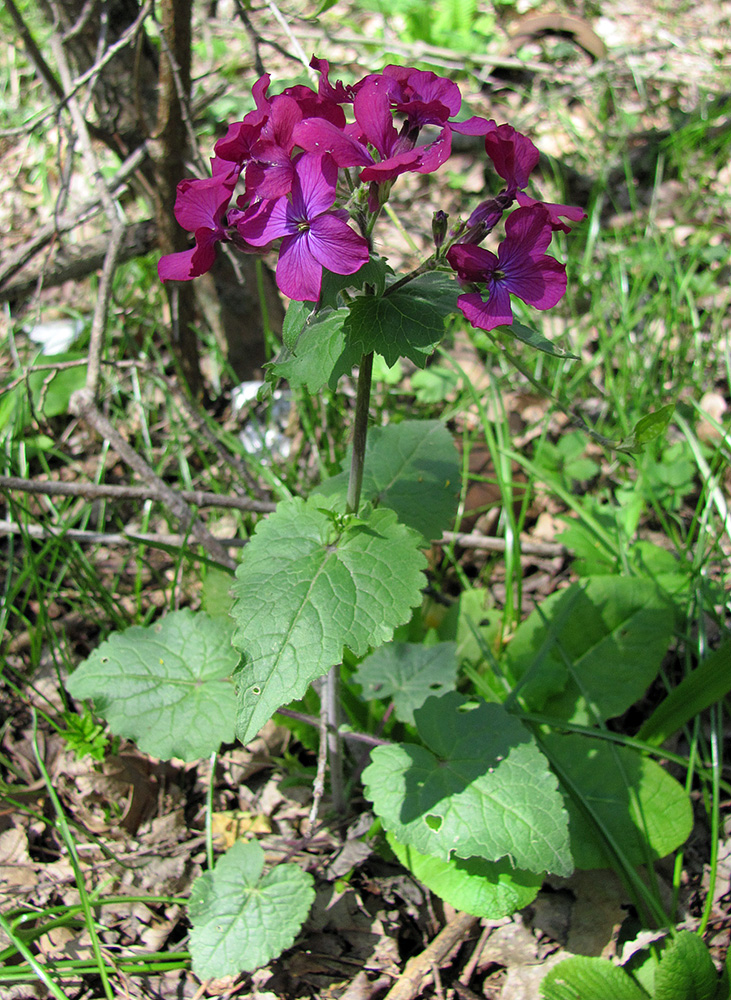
{"x":138,"y":823}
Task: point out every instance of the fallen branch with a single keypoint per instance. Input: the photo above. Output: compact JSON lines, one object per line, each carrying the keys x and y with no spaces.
{"x":82,"y":404}
{"x":417,"y":968}
{"x":77,"y":261}
{"x":98,"y":491}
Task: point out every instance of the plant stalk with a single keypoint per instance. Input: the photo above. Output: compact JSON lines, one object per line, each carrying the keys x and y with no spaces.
{"x":331,"y":686}
{"x":360,"y":433}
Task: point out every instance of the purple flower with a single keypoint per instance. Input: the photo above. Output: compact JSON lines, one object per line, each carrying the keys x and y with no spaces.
{"x":312,"y":236}
{"x":200,"y":207}
{"x":520,"y":268}
{"x":513,"y":155}
{"x":555,"y":212}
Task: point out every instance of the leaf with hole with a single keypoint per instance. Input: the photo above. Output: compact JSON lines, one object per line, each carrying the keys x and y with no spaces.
{"x":479,"y":787}
{"x":491,"y":889}
{"x":409,"y":673}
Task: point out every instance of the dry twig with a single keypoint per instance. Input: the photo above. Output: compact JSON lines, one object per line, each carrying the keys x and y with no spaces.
{"x":420,"y":966}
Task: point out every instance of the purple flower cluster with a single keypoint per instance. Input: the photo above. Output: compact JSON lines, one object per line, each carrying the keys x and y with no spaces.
{"x":286,"y":158}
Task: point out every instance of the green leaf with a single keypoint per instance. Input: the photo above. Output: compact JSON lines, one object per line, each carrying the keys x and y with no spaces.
{"x":581,"y":978}
{"x":167,"y":687}
{"x":295,"y":319}
{"x":409,"y":322}
{"x":590,"y":651}
{"x":240,"y":920}
{"x":686,"y":971}
{"x":409,"y":673}
{"x":649,"y":427}
{"x":373,"y":273}
{"x":480,"y":787}
{"x":306,"y":588}
{"x":434,"y":384}
{"x":535,"y":340}
{"x":475,"y":625}
{"x":641,"y":807}
{"x":312,"y":357}
{"x":491,"y":889}
{"x":413,"y":468}
{"x":707,"y":684}
{"x":216,"y":593}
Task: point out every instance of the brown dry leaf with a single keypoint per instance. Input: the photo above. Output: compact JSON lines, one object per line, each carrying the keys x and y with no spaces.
{"x":234,"y":824}
{"x":16,"y":868}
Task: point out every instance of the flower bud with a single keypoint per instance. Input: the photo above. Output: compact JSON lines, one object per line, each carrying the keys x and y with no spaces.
{"x":439,"y":227}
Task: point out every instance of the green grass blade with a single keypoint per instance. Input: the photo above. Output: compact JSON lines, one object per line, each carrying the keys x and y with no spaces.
{"x":707,"y":684}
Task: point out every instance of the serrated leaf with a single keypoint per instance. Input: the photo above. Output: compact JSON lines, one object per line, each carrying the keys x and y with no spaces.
{"x":167,"y":686}
{"x":581,"y":978}
{"x":535,"y":340}
{"x":479,"y":787}
{"x":686,"y":971}
{"x":491,"y":889}
{"x":404,"y":464}
{"x":304,"y":591}
{"x":315,"y":352}
{"x":240,"y":920}
{"x":409,"y":673}
{"x":409,"y":322}
{"x":645,"y":810}
{"x":593,"y":649}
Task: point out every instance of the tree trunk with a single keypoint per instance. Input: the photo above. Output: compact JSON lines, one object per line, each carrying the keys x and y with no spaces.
{"x":135,"y":97}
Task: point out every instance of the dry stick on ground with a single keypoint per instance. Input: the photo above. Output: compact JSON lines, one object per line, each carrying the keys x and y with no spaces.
{"x":201,"y":498}
{"x":98,"y":491}
{"x":417,"y":968}
{"x":84,"y":406}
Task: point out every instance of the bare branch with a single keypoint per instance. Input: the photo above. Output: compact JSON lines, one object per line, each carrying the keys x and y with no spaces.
{"x":83,"y":405}
{"x":113,"y":212}
{"x":99,"y":491}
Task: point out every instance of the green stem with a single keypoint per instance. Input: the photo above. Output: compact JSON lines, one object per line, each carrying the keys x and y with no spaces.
{"x":360,"y":433}
{"x":428,"y":265}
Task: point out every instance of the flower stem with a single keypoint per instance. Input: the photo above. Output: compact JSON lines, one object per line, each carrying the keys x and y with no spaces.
{"x":428,"y":265}
{"x":360,"y":431}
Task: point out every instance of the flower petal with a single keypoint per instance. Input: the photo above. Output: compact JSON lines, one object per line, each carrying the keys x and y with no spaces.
{"x":513,"y":155}
{"x":299,"y":276}
{"x":372,"y":109}
{"x":313,"y":187}
{"x":189,"y":263}
{"x":540,"y":281}
{"x":336,"y":246}
{"x":527,"y":231}
{"x":315,"y":135}
{"x":555,"y":212}
{"x":487,"y":315}
{"x":472,"y":263}
{"x":202,"y":201}
{"x":266,"y":221}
